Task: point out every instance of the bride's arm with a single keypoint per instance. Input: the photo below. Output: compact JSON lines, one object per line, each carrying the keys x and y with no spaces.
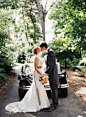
{"x":36,"y":61}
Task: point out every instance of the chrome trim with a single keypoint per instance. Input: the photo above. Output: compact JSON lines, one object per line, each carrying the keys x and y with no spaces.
{"x":47,"y":87}
{"x":63,"y":86}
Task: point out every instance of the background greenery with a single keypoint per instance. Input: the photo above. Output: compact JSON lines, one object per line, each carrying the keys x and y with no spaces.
{"x":20,"y":31}
{"x":69,"y":20}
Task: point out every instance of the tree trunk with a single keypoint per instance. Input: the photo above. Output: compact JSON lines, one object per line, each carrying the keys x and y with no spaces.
{"x":80,"y":52}
{"x":42,"y":16}
{"x":43,"y":26}
{"x":34,"y":35}
{"x":25,"y":29}
{"x":65,"y":63}
{"x":42,"y":13}
{"x":85,"y":3}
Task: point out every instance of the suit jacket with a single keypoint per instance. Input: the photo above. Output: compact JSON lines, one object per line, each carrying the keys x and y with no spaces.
{"x":51,"y":67}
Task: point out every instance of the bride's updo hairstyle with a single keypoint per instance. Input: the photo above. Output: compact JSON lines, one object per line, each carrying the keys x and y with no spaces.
{"x":36,"y":50}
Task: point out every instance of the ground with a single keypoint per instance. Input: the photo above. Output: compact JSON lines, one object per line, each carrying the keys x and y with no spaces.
{"x":4,"y":85}
{"x":78,"y":84}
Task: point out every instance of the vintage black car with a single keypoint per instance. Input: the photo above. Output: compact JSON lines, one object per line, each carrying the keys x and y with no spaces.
{"x":26,"y":79}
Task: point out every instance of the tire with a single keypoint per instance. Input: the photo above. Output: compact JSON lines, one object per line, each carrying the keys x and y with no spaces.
{"x":59,"y":92}
{"x":64,"y":92}
{"x":21,"y":91}
{"x":49,"y":93}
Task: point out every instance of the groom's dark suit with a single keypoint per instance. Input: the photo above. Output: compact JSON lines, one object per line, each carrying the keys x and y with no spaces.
{"x":51,"y":70}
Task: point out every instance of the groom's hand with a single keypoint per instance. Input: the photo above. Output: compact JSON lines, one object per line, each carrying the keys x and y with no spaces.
{"x":45,"y":74}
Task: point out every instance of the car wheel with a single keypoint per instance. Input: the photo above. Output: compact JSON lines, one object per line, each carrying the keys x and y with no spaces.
{"x":21,"y":91}
{"x":49,"y":93}
{"x":64,"y":92}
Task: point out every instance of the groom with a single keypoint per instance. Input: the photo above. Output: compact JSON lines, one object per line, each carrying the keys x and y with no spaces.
{"x":51,"y":71}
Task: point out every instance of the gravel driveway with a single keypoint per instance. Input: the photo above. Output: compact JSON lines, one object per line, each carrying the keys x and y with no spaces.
{"x":68,"y":107}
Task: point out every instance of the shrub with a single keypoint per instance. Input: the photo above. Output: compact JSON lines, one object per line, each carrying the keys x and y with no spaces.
{"x":21,"y":57}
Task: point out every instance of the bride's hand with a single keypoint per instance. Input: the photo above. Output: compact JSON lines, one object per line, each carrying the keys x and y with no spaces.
{"x":41,"y":75}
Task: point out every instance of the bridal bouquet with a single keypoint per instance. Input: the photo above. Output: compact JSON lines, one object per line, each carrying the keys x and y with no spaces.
{"x":43,"y":79}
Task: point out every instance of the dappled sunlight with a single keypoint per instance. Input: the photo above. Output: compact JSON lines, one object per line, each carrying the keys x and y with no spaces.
{"x":79,"y":116}
{"x":81,"y":91}
{"x":78,"y":84}
{"x":18,"y":67}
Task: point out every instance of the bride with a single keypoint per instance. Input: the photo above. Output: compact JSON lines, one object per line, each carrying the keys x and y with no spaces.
{"x":36,"y":98}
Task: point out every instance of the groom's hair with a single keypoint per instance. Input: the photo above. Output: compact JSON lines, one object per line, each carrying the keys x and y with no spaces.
{"x":44,"y":44}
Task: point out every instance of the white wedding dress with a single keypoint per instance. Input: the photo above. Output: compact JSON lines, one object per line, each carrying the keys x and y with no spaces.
{"x":34,"y":100}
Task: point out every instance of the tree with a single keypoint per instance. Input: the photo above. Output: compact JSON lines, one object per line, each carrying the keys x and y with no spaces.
{"x":43,"y":11}
{"x":69,"y":21}
{"x":30,"y":10}
{"x":13,"y":4}
{"x":33,"y":8}
{"x":5,"y":58}
{"x":16,"y":34}
{"x":65,"y":51}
